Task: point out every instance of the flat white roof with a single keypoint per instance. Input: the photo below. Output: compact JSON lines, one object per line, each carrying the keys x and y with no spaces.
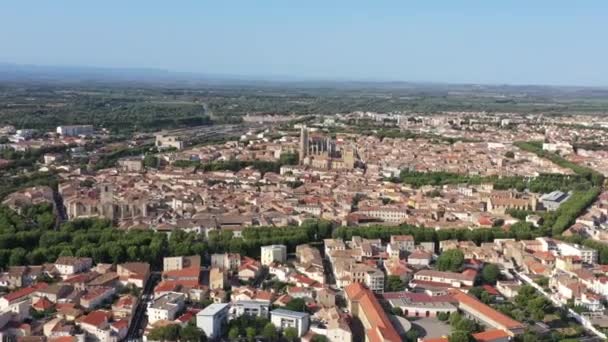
{"x":212,"y":309}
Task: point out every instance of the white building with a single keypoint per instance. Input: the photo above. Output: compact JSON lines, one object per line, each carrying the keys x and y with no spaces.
{"x":67,"y":266}
{"x":259,"y":308}
{"x":213,"y":320}
{"x":165,"y":307}
{"x":273,"y":253}
{"x":284,"y":319}
{"x":75,"y":130}
{"x":164,"y":141}
{"x":588,"y":255}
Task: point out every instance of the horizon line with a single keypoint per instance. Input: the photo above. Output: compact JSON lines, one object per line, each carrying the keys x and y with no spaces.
{"x":268,"y":78}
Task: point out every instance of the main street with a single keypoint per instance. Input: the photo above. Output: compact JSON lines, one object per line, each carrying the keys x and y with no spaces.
{"x":137,"y":325}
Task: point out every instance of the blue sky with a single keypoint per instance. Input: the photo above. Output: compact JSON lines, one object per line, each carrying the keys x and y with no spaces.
{"x":485,"y":41}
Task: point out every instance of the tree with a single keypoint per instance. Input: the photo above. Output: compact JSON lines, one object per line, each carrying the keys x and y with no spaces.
{"x":17,"y":257}
{"x":394,"y":284}
{"x":443,"y":316}
{"x":233,"y":334}
{"x":412,"y":336}
{"x":168,"y":333}
{"x":191,"y":333}
{"x":250,"y":333}
{"x":450,"y":260}
{"x":397,"y":311}
{"x":509,"y":154}
{"x":270,"y":332}
{"x":117,"y":253}
{"x":291,"y":334}
{"x":459,"y":336}
{"x":320,"y":338}
{"x":490,"y":273}
{"x":150,"y":161}
{"x":296,"y":304}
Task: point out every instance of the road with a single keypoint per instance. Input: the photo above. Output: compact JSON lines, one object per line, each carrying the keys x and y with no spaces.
{"x":61,"y":216}
{"x":136,"y":327}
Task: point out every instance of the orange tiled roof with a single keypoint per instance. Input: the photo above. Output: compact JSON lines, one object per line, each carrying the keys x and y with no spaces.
{"x":95,"y":318}
{"x":382,"y":329}
{"x":485,"y":310}
{"x":490,"y":335}
{"x":24,"y":292}
{"x":42,"y":304}
{"x":188,"y":272}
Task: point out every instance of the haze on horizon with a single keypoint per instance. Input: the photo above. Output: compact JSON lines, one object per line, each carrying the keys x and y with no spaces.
{"x":515,"y":42}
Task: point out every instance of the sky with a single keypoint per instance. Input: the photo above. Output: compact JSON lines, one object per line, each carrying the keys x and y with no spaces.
{"x":455,"y":41}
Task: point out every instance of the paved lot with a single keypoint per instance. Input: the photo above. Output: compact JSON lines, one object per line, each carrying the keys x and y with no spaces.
{"x":431,"y":327}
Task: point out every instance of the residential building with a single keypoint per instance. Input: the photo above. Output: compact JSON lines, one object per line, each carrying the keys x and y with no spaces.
{"x":259,"y":308}
{"x":166,"y":307}
{"x":226,"y":261}
{"x":135,"y":273}
{"x":213,"y":320}
{"x":217,"y":278}
{"x":420,"y":258}
{"x":67,"y":266}
{"x":284,"y":319}
{"x":75,"y":130}
{"x":273,"y":253}
{"x":181,"y":262}
{"x":403,"y":242}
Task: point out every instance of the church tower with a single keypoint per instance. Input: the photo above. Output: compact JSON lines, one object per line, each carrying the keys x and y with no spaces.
{"x":106,"y":193}
{"x":303,"y":143}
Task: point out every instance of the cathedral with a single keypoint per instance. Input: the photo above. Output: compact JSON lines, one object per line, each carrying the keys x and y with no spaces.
{"x":322,"y":153}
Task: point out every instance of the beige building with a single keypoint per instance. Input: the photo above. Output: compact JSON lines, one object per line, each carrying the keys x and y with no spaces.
{"x":131,"y":164}
{"x":181,"y":262}
{"x":273,"y":253}
{"x":164,"y":141}
{"x":217,"y":278}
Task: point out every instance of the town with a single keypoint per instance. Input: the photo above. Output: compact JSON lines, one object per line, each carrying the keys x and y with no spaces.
{"x":355,"y":227}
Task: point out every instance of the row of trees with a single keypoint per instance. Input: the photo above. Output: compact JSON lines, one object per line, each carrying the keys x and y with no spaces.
{"x":31,"y":239}
{"x":596,"y":178}
{"x":528,"y":306}
{"x":10,"y":183}
{"x":541,"y":184}
{"x":174,"y":332}
{"x":109,"y":159}
{"x":27,"y":159}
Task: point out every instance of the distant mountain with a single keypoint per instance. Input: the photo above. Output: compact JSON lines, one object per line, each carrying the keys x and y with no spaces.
{"x":23,"y":73}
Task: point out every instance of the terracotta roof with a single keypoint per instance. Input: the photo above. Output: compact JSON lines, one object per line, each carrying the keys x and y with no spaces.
{"x":25,"y":292}
{"x":95,"y":318}
{"x":488,"y":312}
{"x":437,"y":339}
{"x":382,"y":329}
{"x":63,"y":339}
{"x":42,"y":304}
{"x":140,"y":268}
{"x":123,"y":301}
{"x":188,"y":272}
{"x":120,"y":325}
{"x":490,"y":335}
